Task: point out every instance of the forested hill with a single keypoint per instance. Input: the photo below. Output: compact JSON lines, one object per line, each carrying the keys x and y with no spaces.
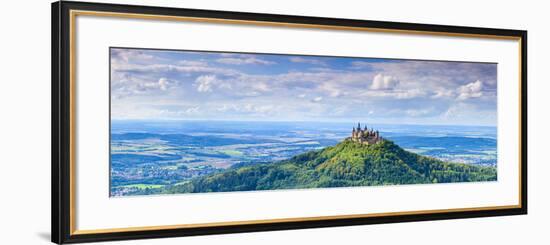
{"x":345,"y":164}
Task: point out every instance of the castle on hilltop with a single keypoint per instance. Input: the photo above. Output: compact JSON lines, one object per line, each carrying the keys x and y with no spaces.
{"x":365,"y":136}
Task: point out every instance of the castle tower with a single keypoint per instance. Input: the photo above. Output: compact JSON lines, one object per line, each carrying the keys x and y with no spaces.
{"x":365,"y":135}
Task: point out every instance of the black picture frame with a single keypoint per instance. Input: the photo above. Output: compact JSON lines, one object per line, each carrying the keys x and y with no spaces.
{"x":61,"y":122}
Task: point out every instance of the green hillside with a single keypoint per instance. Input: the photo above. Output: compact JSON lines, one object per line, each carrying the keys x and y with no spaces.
{"x":345,"y":164}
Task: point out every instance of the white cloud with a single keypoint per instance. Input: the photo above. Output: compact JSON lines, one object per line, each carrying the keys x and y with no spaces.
{"x":163,"y":83}
{"x":258,"y":109}
{"x":458,"y":110}
{"x":171,"y":113}
{"x":226,"y":107}
{"x":225,"y":85}
{"x":131,"y":55}
{"x":381,"y":82}
{"x":260,"y":87}
{"x":409,"y":94}
{"x":129,"y":85}
{"x":192,"y":63}
{"x":317,"y":99}
{"x":461,"y":112}
{"x":192,"y":110}
{"x":443,"y":93}
{"x":307,"y":61}
{"x":247,"y":109}
{"x":331,"y":88}
{"x":204,"y":83}
{"x":470,"y":90}
{"x":163,"y":68}
{"x":395,"y":94}
{"x":244,"y":61}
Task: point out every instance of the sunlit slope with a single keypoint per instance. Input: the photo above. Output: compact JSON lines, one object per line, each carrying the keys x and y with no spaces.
{"x":345,"y":164}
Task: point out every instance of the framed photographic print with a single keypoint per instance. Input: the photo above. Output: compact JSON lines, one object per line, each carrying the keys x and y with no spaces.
{"x":174,"y":122}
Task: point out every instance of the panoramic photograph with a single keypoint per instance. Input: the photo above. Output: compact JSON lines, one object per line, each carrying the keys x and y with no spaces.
{"x":205,"y":121}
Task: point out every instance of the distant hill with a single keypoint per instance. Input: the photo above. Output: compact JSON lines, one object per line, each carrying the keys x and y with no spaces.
{"x":345,"y":164}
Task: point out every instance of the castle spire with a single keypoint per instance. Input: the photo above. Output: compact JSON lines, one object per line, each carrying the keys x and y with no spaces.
{"x":365,"y":135}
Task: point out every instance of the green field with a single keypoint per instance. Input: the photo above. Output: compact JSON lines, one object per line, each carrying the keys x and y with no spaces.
{"x":232,"y":152}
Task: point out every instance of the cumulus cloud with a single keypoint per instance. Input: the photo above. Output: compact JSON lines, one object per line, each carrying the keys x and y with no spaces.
{"x":163,"y":83}
{"x":205,"y":83}
{"x":244,"y":61}
{"x":381,"y":82}
{"x":307,"y":61}
{"x":470,"y":90}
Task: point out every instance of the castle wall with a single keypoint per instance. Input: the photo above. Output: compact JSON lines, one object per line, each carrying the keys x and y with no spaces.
{"x":365,"y":136}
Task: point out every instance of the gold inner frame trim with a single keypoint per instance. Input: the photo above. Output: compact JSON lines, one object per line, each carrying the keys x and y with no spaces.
{"x":72,"y":165}
{"x":72,"y":123}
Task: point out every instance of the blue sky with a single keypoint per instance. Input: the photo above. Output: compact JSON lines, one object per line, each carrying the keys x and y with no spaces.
{"x":182,"y":85}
